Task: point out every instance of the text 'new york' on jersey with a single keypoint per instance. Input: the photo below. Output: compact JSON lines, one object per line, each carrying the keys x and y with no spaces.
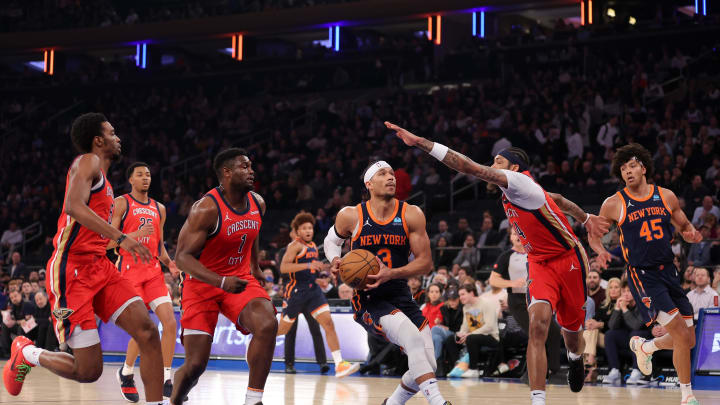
{"x":139,"y":215}
{"x":388,"y":240}
{"x":228,"y":247}
{"x":304,"y":279}
{"x":646,"y":229}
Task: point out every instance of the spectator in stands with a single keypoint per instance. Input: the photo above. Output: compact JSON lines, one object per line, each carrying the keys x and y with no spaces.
{"x":625,"y":322}
{"x":595,"y":291}
{"x":688,"y":282}
{"x":443,"y":257}
{"x":479,"y":329}
{"x":27,"y":293}
{"x":596,"y":327}
{"x":442,"y":233}
{"x":499,"y":296}
{"x":327,"y":287}
{"x":345,"y":292}
{"x":699,"y":254}
{"x":716,"y":280}
{"x":443,"y":333}
{"x":403,"y":187}
{"x":487,"y":236}
{"x":433,"y":305}
{"x":46,"y":338}
{"x":415,"y":284}
{"x":469,"y":256}
{"x":12,"y":237}
{"x":703,"y":296}
{"x":707,"y":207}
{"x":608,"y":134}
{"x":694,"y":193}
{"x":14,"y":320}
{"x":463,"y":228}
{"x":17,"y":268}
{"x":270,"y":287}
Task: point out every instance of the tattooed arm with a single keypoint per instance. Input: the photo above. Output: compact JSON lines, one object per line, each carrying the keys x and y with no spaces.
{"x":454,"y":160}
{"x":568,"y":207}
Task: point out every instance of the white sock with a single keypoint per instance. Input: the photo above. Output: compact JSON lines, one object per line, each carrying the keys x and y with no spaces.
{"x":573,"y":356}
{"x":400,"y":396}
{"x":430,"y":389}
{"x":127,"y":370}
{"x":649,"y":346}
{"x":166,"y":374}
{"x":337,"y":357}
{"x":32,"y":354}
{"x":537,"y":397}
{"x":253,"y":396}
{"x":686,"y":390}
{"x":163,"y":402}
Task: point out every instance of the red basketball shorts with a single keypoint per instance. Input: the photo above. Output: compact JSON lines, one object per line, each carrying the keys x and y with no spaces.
{"x":80,"y":287}
{"x":561,"y":282}
{"x":202,"y":303}
{"x":148,"y":280}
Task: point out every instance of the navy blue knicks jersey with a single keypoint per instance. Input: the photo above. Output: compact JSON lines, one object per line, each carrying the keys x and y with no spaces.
{"x":387,"y":240}
{"x":645,"y":229}
{"x":304,"y":279}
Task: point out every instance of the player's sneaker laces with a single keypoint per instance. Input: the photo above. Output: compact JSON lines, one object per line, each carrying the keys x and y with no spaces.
{"x":346,"y":368}
{"x":576,"y":374}
{"x":127,"y":387}
{"x":690,"y":401}
{"x":16,"y":369}
{"x":644,"y":360}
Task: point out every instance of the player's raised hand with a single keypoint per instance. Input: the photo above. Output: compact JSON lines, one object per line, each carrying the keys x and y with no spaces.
{"x":692,"y":236}
{"x":597,"y":226}
{"x":383,"y":275}
{"x":138,"y":251}
{"x":408,"y":137}
{"x":603,"y":259}
{"x":234,"y":285}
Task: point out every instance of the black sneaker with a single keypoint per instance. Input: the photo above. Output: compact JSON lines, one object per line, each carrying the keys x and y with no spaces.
{"x":127,"y":387}
{"x":167,"y":388}
{"x":290,"y":369}
{"x":576,"y":374}
{"x":324,"y":368}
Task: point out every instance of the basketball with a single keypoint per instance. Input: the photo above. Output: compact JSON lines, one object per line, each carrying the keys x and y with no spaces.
{"x":355,"y":266}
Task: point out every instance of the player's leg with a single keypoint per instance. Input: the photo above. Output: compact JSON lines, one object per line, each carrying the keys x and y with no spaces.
{"x":291,"y":309}
{"x":318,"y":341}
{"x":166,"y":315}
{"x":540,"y":314}
{"x":342,"y":368}
{"x":258,"y":317}
{"x":285,"y":325}
{"x":570,"y":272}
{"x":126,"y":374}
{"x":197,"y":352}
{"x":135,"y":320}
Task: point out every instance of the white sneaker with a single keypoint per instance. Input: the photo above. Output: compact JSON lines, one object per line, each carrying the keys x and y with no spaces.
{"x":636,"y":378}
{"x":612,"y":378}
{"x":644,"y":360}
{"x":470,"y":373}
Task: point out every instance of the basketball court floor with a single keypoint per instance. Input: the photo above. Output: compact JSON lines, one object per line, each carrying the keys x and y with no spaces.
{"x":218,"y":387}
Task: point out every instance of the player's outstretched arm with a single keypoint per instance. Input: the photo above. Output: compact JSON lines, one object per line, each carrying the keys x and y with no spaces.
{"x":419,"y":245}
{"x":679,"y":219}
{"x":202,"y":219}
{"x":610,"y":212}
{"x":452,"y":159}
{"x":597,"y":226}
{"x":80,"y":181}
{"x":345,"y":222}
{"x":255,"y":257}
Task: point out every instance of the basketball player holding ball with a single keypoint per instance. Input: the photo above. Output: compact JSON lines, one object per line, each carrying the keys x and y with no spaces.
{"x":390,"y":229}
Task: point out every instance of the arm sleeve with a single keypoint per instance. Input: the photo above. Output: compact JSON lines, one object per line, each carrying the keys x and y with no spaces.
{"x":523,"y":191}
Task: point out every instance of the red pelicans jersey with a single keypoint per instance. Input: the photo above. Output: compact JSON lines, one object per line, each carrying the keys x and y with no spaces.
{"x":139,"y":215}
{"x":542,"y":227}
{"x":229,"y":246}
{"x":74,"y":239}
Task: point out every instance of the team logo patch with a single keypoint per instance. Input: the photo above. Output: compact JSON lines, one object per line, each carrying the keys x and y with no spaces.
{"x":397,"y":221}
{"x":367,"y":319}
{"x":656,"y":197}
{"x":62,"y":313}
{"x":647,"y":301}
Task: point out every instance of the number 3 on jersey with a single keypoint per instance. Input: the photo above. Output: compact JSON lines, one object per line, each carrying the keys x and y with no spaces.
{"x":385,"y":257}
{"x":657,"y":232}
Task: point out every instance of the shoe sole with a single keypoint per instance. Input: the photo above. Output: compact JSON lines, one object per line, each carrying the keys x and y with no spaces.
{"x":640,"y":354}
{"x":117,"y":377}
{"x":353,"y":369}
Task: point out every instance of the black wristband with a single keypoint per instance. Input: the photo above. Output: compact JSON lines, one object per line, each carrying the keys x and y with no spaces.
{"x":120,"y":239}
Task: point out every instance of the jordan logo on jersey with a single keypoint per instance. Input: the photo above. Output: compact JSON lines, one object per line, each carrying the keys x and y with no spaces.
{"x":367,"y":223}
{"x":572,"y":267}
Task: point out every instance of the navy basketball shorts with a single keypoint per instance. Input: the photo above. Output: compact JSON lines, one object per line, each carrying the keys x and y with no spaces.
{"x":656,"y":289}
{"x":311,"y":299}
{"x":370,"y":308}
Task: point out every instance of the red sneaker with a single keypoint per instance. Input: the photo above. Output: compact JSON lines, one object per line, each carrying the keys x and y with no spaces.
{"x":16,"y":368}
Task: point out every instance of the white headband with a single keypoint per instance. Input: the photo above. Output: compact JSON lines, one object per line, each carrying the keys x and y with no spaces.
{"x":370,"y":172}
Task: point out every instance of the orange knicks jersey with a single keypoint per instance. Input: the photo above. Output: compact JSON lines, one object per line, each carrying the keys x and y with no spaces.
{"x":74,"y":239}
{"x":544,"y":232}
{"x":229,"y":246}
{"x":139,"y":215}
